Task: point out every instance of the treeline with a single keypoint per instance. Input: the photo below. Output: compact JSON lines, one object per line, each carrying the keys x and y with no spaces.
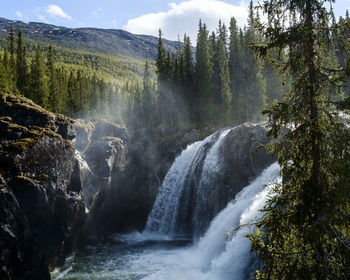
{"x":73,"y":93}
{"x":222,"y":82}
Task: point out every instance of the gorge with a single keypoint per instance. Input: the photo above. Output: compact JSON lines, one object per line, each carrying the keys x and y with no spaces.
{"x":129,"y":229}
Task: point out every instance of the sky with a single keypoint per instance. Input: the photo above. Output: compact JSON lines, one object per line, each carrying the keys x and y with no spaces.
{"x":174,"y":17}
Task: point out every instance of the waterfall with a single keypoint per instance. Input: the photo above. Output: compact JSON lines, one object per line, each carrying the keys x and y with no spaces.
{"x":221,"y":256}
{"x":224,"y":250}
{"x":211,"y":168}
{"x":180,"y":205}
{"x":173,"y":194}
{"x":182,"y":238}
{"x":84,"y":167}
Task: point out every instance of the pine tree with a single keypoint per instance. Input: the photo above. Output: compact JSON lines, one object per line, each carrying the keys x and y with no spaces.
{"x":253,"y":95}
{"x":72,"y":99}
{"x":225,"y":96}
{"x":187,"y":68}
{"x":11,"y":70}
{"x":54,"y":97}
{"x":3,"y":77}
{"x":21,"y":64}
{"x":38,"y":89}
{"x":205,"y":101}
{"x":235,"y":66}
{"x":306,"y":221}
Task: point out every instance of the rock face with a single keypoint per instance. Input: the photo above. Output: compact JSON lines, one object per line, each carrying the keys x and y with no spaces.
{"x":242,"y":159}
{"x":42,"y":210}
{"x":205,"y":177}
{"x":125,"y":205}
{"x":101,"y":148}
{"x":127,"y":202}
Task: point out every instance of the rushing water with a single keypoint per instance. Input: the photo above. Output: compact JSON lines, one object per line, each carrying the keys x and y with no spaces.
{"x":162,"y":251}
{"x":154,"y":256}
{"x":172,"y":212}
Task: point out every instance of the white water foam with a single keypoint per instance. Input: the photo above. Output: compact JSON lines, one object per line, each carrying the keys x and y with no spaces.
{"x":153,"y":256}
{"x":163,"y":215}
{"x":214,"y":256}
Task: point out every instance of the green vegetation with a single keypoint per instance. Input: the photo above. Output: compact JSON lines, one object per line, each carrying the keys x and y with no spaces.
{"x":117,"y":69}
{"x":221,"y":83}
{"x":304,"y":233}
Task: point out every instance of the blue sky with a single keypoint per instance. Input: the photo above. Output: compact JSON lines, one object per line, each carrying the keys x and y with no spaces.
{"x":175,"y":17}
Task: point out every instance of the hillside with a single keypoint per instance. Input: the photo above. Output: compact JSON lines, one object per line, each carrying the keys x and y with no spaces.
{"x":107,"y":41}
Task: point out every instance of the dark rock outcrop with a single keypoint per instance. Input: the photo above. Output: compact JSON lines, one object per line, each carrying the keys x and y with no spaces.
{"x":243,"y":159}
{"x":102,"y":147}
{"x":42,"y":210}
{"x":125,"y":205}
{"x":244,"y":155}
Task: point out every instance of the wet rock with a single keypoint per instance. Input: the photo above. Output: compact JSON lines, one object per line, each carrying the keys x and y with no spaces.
{"x":243,"y":158}
{"x":42,"y":211}
{"x":102,"y":151}
{"x":145,"y":160}
{"x":244,"y":155}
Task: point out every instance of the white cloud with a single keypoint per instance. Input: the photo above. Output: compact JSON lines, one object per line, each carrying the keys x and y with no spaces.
{"x":57,"y":12}
{"x":97,"y":12}
{"x":184,"y":17}
{"x":19,"y":14}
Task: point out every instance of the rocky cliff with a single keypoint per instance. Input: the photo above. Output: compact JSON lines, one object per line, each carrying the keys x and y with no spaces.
{"x":141,"y":162}
{"x":243,"y":158}
{"x":126,"y":204}
{"x":53,"y":169}
{"x":41,"y":206}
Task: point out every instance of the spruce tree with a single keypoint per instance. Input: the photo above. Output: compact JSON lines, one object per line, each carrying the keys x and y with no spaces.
{"x":72,"y":98}
{"x":147,"y":105}
{"x":3,"y":78}
{"x":253,"y":87}
{"x":187,"y":75}
{"x":164,"y":104}
{"x":204,"y":110}
{"x":235,"y":66}
{"x":21,"y":64}
{"x":11,"y":70}
{"x":225,"y":96}
{"x":303,"y":234}
{"x":54,"y":97}
{"x":38,"y":89}
{"x":187,"y":68}
{"x":4,"y":75}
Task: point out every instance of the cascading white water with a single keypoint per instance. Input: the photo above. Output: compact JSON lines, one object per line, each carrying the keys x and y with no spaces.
{"x":84,"y":167}
{"x":216,"y":256}
{"x":85,"y":170}
{"x":211,"y":167}
{"x":159,"y":253}
{"x":165,"y":209}
{"x":222,"y":257}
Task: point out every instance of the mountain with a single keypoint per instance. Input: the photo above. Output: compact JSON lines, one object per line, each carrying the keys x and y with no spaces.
{"x":108,"y":41}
